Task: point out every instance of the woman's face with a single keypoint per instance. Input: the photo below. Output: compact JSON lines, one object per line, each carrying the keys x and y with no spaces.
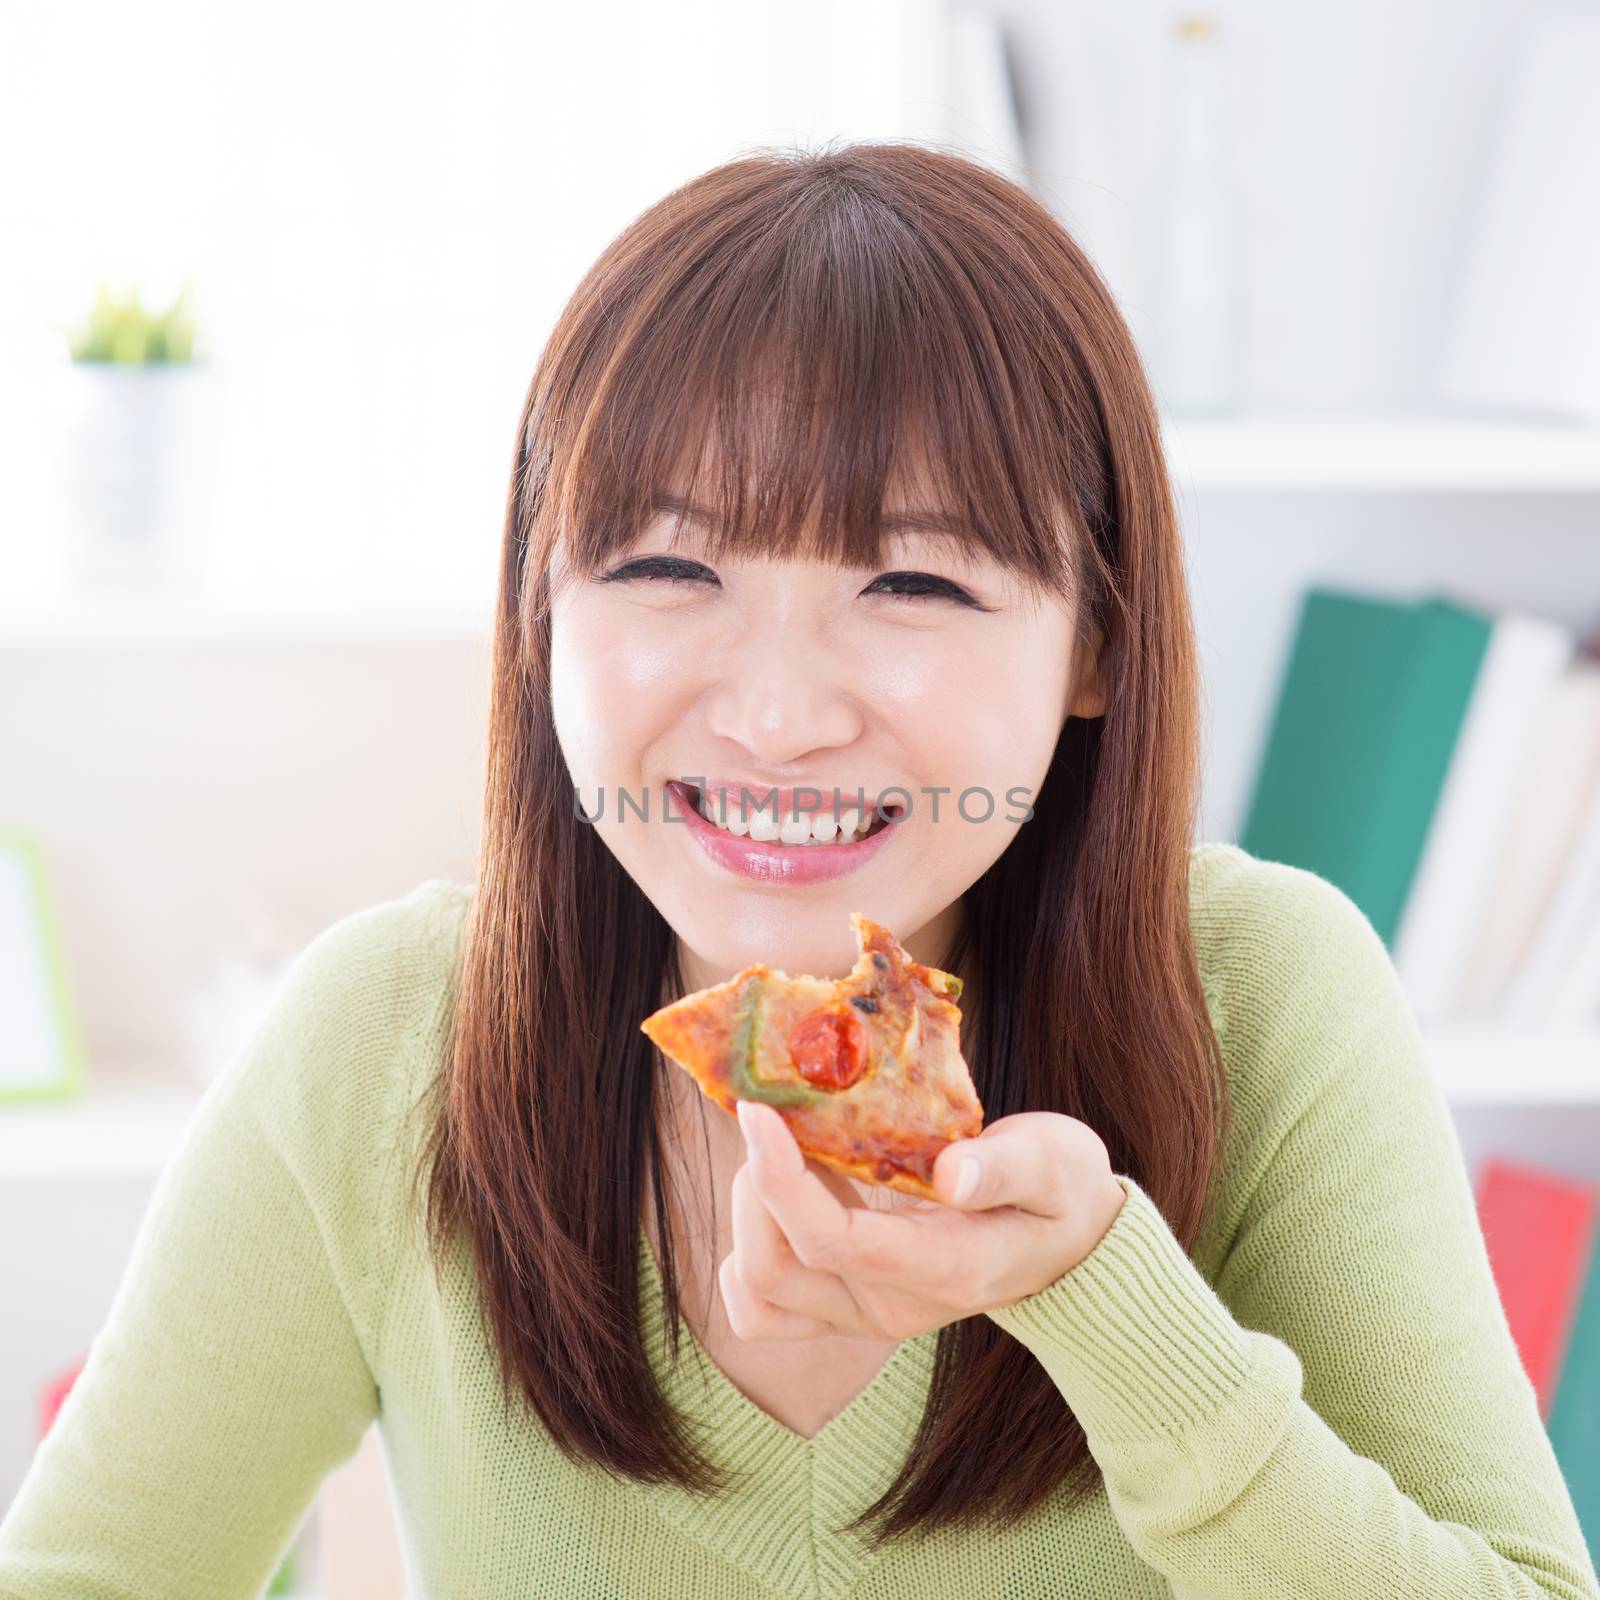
{"x":935,"y":682}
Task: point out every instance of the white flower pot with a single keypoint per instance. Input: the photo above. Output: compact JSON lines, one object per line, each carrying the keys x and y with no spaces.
{"x":137,"y":472}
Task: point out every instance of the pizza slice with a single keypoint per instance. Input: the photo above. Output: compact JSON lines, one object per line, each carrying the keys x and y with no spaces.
{"x":866,"y":1069}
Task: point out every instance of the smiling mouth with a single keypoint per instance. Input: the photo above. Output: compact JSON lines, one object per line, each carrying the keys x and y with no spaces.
{"x":743,"y":818}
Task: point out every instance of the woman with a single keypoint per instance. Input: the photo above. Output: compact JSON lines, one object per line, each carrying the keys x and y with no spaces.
{"x":839,"y":471}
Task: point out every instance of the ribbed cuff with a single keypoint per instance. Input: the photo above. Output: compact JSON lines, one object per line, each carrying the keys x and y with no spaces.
{"x":1135,"y":1338}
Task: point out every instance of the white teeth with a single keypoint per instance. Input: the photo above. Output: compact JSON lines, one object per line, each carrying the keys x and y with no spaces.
{"x":798,"y":828}
{"x":712,"y":812}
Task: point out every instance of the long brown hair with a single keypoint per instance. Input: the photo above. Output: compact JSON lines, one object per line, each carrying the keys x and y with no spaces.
{"x":788,"y":324}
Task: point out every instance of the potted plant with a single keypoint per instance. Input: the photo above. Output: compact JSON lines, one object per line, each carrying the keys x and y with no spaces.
{"x":137,"y":431}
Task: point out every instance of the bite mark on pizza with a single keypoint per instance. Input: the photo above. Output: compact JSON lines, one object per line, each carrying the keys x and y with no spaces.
{"x":866,"y":1069}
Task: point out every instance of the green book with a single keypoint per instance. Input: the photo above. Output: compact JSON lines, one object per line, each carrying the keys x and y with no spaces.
{"x":1367,"y":718}
{"x":1574,"y":1425}
{"x":284,"y":1579}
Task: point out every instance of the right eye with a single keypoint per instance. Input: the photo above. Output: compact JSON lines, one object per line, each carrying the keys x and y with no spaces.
{"x":660,"y":569}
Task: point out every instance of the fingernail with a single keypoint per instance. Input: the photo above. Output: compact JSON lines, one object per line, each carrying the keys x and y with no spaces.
{"x":763,"y":1141}
{"x":750,"y":1125}
{"x":967,"y":1175}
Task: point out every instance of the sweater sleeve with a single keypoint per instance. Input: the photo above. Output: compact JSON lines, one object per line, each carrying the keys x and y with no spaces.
{"x":1344,"y":1412}
{"x":235,"y":1367}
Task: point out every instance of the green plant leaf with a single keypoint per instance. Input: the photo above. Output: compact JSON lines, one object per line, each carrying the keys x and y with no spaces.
{"x":125,"y":333}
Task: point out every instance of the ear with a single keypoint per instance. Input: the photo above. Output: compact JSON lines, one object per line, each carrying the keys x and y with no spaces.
{"x":1089,"y":676}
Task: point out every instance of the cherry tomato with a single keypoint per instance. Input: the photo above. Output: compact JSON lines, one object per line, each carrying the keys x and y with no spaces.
{"x":829,"y":1047}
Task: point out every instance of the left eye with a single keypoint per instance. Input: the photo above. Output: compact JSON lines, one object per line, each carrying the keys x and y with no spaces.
{"x":917,"y":586}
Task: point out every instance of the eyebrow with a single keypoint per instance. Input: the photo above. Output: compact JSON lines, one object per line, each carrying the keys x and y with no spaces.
{"x":940,"y":524}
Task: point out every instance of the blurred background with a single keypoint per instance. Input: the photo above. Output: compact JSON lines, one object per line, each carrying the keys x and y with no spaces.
{"x":272,"y":286}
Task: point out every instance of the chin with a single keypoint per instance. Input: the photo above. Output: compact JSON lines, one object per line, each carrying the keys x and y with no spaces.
{"x":812,"y":938}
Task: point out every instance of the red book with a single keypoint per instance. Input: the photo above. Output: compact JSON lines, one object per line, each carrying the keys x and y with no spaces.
{"x":56,"y":1391}
{"x":1540,"y":1230}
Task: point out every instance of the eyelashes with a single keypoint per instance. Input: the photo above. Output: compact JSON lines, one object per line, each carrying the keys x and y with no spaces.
{"x":909,"y":586}
{"x":672,"y":569}
{"x":919,"y":585}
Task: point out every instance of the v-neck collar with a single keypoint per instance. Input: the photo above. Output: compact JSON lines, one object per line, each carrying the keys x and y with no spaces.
{"x":781,"y":1518}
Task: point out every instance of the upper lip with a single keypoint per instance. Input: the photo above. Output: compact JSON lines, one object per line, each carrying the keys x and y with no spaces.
{"x":813,"y":796}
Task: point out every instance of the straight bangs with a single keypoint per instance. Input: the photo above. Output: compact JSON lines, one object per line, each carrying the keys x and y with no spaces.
{"x":816,"y":374}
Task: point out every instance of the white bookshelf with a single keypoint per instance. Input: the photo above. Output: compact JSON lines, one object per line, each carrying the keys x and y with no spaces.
{"x":55,"y":617}
{"x":1479,"y":1066}
{"x":123,"y":1125}
{"x":1377,"y":454}
{"x":1373,"y":453}
{"x":128,"y":1126}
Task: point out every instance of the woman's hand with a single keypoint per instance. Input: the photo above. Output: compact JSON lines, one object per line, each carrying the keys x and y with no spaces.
{"x":1024,"y":1202}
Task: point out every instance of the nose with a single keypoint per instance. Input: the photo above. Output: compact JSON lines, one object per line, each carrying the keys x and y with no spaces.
{"x":782,"y":689}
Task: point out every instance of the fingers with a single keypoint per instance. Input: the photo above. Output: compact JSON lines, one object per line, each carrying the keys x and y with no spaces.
{"x":822,"y":1232}
{"x":1032,"y":1160}
{"x":1021,"y":1203}
{"x":897,"y":1273}
{"x":766,"y":1270}
{"x":900,"y":1269}
{"x":752,"y":1317}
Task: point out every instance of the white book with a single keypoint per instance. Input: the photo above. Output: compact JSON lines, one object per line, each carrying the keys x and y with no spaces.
{"x":1576,"y":998}
{"x":1558,"y":790}
{"x":1517,"y":680}
{"x":1545,"y":983}
{"x":1526,"y":333}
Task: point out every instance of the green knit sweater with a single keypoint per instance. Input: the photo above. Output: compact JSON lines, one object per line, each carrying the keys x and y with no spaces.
{"x":1324,"y":1401}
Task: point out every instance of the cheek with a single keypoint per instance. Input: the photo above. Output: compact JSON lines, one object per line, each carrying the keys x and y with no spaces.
{"x":987,"y":715}
{"x":613,"y":689}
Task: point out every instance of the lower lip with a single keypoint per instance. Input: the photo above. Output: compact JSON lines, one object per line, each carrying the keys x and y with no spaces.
{"x":776,"y":863}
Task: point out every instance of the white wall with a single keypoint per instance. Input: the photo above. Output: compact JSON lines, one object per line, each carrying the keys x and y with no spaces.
{"x":199,"y":796}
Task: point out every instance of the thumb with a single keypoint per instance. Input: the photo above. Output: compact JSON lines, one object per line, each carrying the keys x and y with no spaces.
{"x":959,"y":1175}
{"x":1023,"y":1160}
